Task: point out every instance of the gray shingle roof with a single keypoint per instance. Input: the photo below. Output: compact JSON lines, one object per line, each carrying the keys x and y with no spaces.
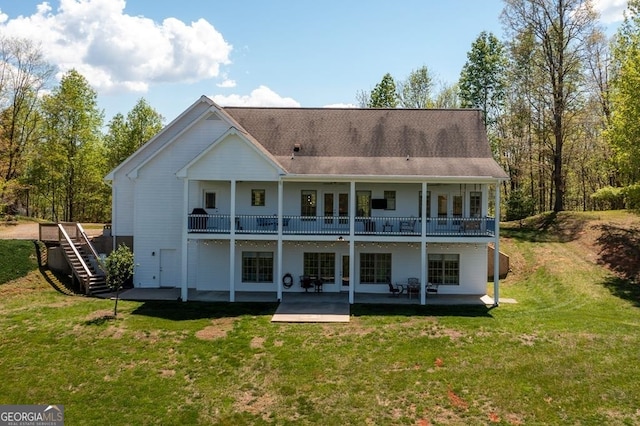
{"x":444,"y":143}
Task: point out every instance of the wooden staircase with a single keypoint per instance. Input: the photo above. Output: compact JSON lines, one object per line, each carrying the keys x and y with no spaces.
{"x":83,"y":259}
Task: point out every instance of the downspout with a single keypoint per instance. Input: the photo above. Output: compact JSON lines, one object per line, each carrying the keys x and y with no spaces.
{"x":496,"y":251}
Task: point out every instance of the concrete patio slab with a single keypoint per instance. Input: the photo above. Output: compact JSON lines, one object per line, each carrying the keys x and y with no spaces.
{"x":312,"y":312}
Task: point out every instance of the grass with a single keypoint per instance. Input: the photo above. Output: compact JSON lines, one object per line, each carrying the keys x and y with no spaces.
{"x":565,"y":354}
{"x":17,"y":258}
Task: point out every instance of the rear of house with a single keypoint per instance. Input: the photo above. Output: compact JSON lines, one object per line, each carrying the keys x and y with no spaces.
{"x":272,"y":199}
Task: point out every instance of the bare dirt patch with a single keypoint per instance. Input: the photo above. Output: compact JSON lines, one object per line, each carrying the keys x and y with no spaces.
{"x":217,"y":330}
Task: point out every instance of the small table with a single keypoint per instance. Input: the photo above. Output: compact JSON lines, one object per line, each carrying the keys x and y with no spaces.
{"x":387,"y":227}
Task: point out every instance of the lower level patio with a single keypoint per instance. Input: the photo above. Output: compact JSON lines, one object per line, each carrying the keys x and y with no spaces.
{"x":145,"y":294}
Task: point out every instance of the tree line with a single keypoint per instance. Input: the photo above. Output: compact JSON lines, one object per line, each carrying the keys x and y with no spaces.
{"x":559,"y":99}
{"x":560,"y":103}
{"x":54,"y":147}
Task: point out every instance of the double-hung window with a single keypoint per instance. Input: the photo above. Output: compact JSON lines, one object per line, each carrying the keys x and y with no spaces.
{"x":444,"y":269}
{"x":375,"y":268}
{"x":257,"y":266}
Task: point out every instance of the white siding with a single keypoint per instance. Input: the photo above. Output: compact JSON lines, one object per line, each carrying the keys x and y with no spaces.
{"x":233,"y":158}
{"x":158,"y":213}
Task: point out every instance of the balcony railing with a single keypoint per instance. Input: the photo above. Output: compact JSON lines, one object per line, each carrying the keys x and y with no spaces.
{"x":339,"y":225}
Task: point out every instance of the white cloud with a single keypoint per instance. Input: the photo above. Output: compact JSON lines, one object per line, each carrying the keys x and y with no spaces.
{"x":260,"y":97}
{"x":227,"y":83}
{"x":115,"y":51}
{"x":610,"y":10}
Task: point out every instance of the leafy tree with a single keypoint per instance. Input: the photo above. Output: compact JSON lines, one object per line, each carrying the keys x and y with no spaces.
{"x":71,"y":131}
{"x":24,"y":74}
{"x":482,"y":80}
{"x":415,"y":91}
{"x":559,"y":28}
{"x":623,"y":132}
{"x":119,"y":266}
{"x":447,"y":97}
{"x":384,"y":94}
{"x":125,"y":136}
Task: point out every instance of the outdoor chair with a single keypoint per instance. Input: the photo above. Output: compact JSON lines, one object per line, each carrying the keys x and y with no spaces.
{"x":432,"y":288}
{"x":396,"y":290}
{"x":306,"y":282}
{"x":407,"y":225}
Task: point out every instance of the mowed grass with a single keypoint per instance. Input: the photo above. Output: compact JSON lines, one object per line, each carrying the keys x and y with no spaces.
{"x":566,"y":353}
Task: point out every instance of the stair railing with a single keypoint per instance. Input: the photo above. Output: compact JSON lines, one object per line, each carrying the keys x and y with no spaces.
{"x":87,"y":242}
{"x":65,"y":237}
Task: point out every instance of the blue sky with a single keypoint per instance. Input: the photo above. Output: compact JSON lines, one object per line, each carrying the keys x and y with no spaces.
{"x":258,"y":53}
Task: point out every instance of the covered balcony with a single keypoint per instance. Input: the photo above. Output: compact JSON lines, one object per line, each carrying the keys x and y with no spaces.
{"x":202,"y":223}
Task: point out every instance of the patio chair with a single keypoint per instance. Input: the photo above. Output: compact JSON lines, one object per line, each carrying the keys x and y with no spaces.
{"x":306,"y":282}
{"x":396,"y":290}
{"x":432,"y":288}
{"x":407,"y":225}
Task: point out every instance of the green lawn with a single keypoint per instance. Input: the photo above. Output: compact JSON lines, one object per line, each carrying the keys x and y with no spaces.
{"x":566,"y":353}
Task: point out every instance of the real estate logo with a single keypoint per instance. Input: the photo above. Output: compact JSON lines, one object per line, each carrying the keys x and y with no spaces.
{"x":31,"y":415}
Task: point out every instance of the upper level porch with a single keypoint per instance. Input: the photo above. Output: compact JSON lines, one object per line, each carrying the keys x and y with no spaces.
{"x":204,"y":223}
{"x":318,"y":208}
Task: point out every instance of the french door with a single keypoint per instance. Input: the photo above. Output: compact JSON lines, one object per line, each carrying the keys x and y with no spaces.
{"x":336,"y":208}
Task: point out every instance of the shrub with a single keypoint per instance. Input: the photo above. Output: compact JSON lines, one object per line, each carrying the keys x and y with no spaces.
{"x":119,"y":266}
{"x":632,"y":196}
{"x":608,"y":198}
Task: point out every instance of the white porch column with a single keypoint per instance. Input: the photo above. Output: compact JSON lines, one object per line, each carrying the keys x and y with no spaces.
{"x":279,"y":271}
{"x":184,"y":288}
{"x":423,"y":247}
{"x":232,"y":246}
{"x":496,"y":252}
{"x":352,"y":243}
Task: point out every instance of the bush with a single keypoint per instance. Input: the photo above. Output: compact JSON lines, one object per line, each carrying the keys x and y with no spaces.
{"x":608,"y":198}
{"x":632,"y":196}
{"x":119,"y":266}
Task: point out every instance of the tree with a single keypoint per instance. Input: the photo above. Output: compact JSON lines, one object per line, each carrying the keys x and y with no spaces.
{"x":415,"y":91}
{"x":482,"y":80}
{"x":125,"y":136}
{"x":447,"y":97}
{"x":24,"y":74}
{"x":623,"y":132}
{"x":559,"y":27}
{"x":119,"y":267}
{"x":71,"y":132}
{"x":384,"y":94}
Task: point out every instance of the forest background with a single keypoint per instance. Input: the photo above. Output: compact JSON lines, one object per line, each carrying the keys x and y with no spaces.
{"x":559,"y":98}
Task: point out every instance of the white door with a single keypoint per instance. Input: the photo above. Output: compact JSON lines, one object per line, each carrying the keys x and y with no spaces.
{"x":169,"y":268}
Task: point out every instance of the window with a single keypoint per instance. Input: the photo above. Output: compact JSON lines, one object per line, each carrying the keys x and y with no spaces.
{"x":390,"y":196}
{"x":321,"y":265}
{"x":428,"y":204}
{"x":444,"y":269}
{"x":375,"y":268}
{"x":209,"y":200}
{"x":257,"y":266}
{"x":257,"y":197}
{"x":308,"y":202}
{"x":363,"y":203}
{"x":475,"y":204}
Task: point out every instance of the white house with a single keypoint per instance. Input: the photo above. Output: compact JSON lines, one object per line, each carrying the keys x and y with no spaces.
{"x":254,"y":199}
